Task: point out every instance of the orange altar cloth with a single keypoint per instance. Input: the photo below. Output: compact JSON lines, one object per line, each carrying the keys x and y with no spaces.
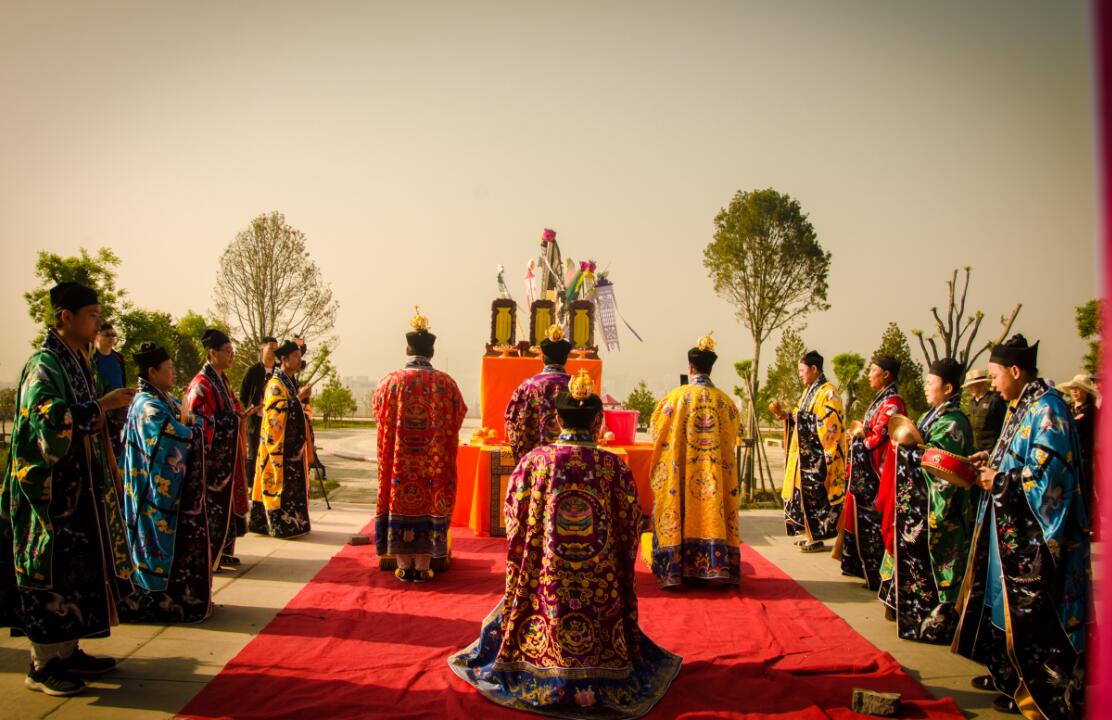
{"x":483,"y":473}
{"x":500,"y":376}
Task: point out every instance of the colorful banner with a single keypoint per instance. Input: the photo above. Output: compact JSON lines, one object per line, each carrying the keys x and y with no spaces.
{"x":607,"y":308}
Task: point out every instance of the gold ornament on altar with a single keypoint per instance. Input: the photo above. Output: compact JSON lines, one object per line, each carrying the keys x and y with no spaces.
{"x":581,"y":320}
{"x":419,"y":323}
{"x":555,"y":333}
{"x":581,"y":386}
{"x":503,"y":327}
{"x":706,"y":343}
{"x":542,"y":315}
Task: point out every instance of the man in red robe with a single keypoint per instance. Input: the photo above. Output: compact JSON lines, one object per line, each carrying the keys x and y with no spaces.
{"x":419,"y":412}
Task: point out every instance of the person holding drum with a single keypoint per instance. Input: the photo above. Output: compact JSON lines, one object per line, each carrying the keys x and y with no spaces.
{"x":931,"y":517}
{"x":1024,"y":603}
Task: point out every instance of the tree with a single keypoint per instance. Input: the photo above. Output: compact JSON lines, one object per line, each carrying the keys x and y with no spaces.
{"x":367,"y":404}
{"x":765,"y":259}
{"x":954,"y":338}
{"x":909,"y":382}
{"x":335,"y":401}
{"x":96,"y":271}
{"x":182,"y":339}
{"x":7,"y":410}
{"x":268,"y":285}
{"x":1089,"y":325}
{"x":782,"y":383}
{"x":642,"y":400}
{"x":847,"y":369}
{"x":744,"y":369}
{"x":189,"y":354}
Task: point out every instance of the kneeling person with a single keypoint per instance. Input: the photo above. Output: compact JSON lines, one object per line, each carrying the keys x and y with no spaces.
{"x":571,"y":512}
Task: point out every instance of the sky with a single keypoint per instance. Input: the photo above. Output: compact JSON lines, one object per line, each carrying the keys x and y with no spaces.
{"x":420,"y":145}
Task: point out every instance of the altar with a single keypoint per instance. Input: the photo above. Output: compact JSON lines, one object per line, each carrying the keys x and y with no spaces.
{"x":483,"y":470}
{"x":572,"y":302}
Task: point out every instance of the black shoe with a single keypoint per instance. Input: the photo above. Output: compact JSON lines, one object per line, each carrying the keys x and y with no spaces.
{"x":983,"y":682}
{"x":230,"y":560}
{"x":1005,"y":704}
{"x":817,"y":546}
{"x":53,"y":679}
{"x":422,"y":576}
{"x":404,"y":575}
{"x":84,"y":664}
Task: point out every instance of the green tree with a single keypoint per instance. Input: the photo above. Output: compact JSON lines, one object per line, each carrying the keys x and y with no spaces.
{"x":909,"y":382}
{"x":181,"y":338}
{"x":335,"y":401}
{"x":766,"y":260}
{"x":7,"y":410}
{"x":847,"y":369}
{"x":642,"y":400}
{"x":1089,"y":325}
{"x":96,"y":271}
{"x":782,"y":383}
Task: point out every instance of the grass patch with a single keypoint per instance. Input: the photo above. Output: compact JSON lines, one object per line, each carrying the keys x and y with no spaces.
{"x":763,"y":500}
{"x":314,"y":488}
{"x":345,"y":424}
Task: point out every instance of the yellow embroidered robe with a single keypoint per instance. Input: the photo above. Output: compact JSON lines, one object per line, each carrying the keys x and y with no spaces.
{"x":815,"y":477}
{"x":695,"y":486}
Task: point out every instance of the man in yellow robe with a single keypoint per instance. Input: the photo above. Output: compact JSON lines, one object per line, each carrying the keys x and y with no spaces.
{"x":815,"y":478}
{"x":694,"y":480}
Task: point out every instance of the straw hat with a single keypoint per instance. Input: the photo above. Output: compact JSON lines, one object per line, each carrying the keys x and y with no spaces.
{"x":975,"y":376}
{"x":1082,"y":381}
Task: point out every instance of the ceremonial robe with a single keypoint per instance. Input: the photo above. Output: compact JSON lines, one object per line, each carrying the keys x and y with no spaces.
{"x":564,"y":640}
{"x":931,"y":521}
{"x":695,"y":486}
{"x":531,"y":413}
{"x":281,"y":486}
{"x":815,"y":477}
{"x":863,"y":547}
{"x":419,"y":412}
{"x":65,"y":562}
{"x":163,"y":473}
{"x":210,"y":398}
{"x":1024,"y":603}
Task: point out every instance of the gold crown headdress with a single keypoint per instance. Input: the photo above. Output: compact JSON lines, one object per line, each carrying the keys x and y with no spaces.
{"x":555,"y":333}
{"x":581,"y":386}
{"x":419,"y":323}
{"x":706,"y":343}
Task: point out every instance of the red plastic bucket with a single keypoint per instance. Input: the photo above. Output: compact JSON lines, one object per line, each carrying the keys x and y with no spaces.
{"x":623,"y":423}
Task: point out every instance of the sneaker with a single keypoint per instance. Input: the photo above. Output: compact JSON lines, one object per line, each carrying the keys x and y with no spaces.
{"x":84,"y":664}
{"x":53,"y":679}
{"x":1006,"y":705}
{"x":983,"y":682}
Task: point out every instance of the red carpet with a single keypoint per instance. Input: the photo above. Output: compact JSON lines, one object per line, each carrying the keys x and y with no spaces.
{"x":356,"y":643}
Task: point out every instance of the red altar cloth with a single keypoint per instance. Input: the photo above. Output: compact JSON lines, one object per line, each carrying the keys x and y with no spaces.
{"x":500,"y":376}
{"x":483,"y":473}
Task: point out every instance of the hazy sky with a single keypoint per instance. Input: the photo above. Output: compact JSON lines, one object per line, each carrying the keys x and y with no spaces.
{"x":419,"y":145}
